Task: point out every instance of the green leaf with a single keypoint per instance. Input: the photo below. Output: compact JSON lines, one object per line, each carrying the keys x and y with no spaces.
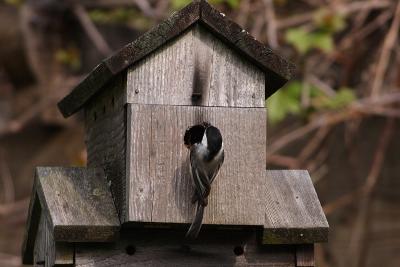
{"x":327,"y":20}
{"x":343,"y":98}
{"x":178,"y":4}
{"x":304,"y":41}
{"x":14,"y":2}
{"x":285,"y":101}
{"x":299,"y":38}
{"x":323,"y":41}
{"x":70,"y":57}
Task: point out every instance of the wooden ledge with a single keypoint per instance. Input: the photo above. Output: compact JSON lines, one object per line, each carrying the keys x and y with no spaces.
{"x":293,"y":212}
{"x":77,"y":204}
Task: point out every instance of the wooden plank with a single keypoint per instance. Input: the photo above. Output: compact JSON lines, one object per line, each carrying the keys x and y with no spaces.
{"x":39,"y":249}
{"x":204,"y":65}
{"x":162,"y":247}
{"x":64,"y":254}
{"x":305,"y":255}
{"x":293,"y":211}
{"x":49,"y":253}
{"x":160,"y":186}
{"x":32,"y":226}
{"x":105,"y":123}
{"x":78,"y":203}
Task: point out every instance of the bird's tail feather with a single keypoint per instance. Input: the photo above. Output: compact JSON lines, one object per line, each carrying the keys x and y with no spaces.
{"x":194,"y":229}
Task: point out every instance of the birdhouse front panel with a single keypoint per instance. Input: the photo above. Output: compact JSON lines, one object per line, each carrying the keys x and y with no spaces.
{"x":196,"y":68}
{"x":160,"y":186}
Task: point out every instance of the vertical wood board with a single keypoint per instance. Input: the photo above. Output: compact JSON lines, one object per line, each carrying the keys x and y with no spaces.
{"x":305,"y":255}
{"x":197,"y":62}
{"x":160,"y":186}
{"x":105,"y":122}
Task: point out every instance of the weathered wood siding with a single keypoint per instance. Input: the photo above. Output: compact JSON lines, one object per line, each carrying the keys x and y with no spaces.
{"x":163,"y":247}
{"x":78,"y":204}
{"x":196,"y":62}
{"x":160,"y":186}
{"x":49,"y":253}
{"x":105,"y":120}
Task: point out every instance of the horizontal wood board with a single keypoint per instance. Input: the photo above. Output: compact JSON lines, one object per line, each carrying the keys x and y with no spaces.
{"x":160,"y":186}
{"x":161,"y":247}
{"x":196,"y":63}
{"x":78,"y":203}
{"x":293,"y":213}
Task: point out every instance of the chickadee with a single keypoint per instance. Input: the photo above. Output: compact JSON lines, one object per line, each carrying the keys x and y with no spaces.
{"x":206,"y":157}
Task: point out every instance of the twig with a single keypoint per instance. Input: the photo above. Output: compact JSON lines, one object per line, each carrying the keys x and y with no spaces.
{"x":9,"y":260}
{"x":243,"y":14}
{"x":314,"y":143}
{"x":8,"y":208}
{"x":355,"y":110}
{"x":357,"y":239}
{"x":364,"y":32}
{"x":5,"y":175}
{"x":272,"y":34}
{"x":384,"y":58}
{"x":258,"y":25}
{"x":91,"y":29}
{"x":342,"y":201}
{"x":18,"y":123}
{"x":107,"y":3}
{"x":324,"y":87}
{"x":320,"y":257}
{"x":145,"y":7}
{"x":161,"y":9}
{"x":285,"y":161}
{"x":323,"y":120}
{"x":344,"y":9}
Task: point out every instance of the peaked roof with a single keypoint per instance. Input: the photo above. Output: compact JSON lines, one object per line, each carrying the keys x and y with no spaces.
{"x":199,"y":11}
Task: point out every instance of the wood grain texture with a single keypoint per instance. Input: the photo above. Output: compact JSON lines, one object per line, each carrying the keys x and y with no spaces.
{"x":105,"y":123}
{"x":49,"y":253}
{"x":162,"y":247}
{"x":32,"y":227}
{"x":160,"y":186}
{"x":305,"y":255}
{"x":196,"y":61}
{"x":293,"y":213}
{"x":44,"y":245}
{"x":78,"y":203}
{"x":39,"y":251}
{"x":277,"y":69}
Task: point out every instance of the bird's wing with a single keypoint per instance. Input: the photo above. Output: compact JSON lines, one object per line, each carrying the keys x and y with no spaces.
{"x":200,"y":179}
{"x":216,"y":171}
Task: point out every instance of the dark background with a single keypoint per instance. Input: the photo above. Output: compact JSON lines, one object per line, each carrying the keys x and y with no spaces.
{"x":338,"y":118}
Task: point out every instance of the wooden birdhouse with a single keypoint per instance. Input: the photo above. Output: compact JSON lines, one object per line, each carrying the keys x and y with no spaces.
{"x":132,"y":204}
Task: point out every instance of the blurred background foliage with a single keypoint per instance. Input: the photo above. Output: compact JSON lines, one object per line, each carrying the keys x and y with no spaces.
{"x":337,"y":118}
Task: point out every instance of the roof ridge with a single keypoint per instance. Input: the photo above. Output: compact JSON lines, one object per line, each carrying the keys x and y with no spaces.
{"x":278,"y":69}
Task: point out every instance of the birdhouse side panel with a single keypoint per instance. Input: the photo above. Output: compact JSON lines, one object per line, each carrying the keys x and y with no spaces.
{"x":160,"y":185}
{"x":105,"y":121}
{"x":44,"y":252}
{"x":196,"y":69}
